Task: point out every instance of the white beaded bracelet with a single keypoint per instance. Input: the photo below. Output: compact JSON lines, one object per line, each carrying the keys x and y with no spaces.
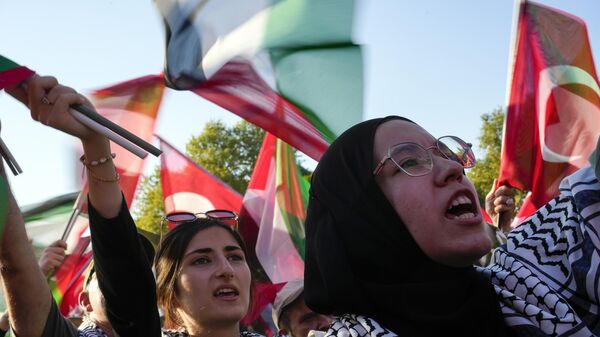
{"x":100,"y":161}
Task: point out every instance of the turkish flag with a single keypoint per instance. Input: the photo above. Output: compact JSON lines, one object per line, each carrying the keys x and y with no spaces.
{"x":189,"y":187}
{"x":553,"y":117}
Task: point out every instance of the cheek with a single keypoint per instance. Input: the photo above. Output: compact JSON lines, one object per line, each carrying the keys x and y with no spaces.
{"x":245,"y":279}
{"x":191,"y":283}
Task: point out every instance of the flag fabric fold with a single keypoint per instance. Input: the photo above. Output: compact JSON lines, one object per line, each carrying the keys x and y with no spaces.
{"x":187,"y":186}
{"x":553,"y":117}
{"x":272,"y":219}
{"x":290,"y":67}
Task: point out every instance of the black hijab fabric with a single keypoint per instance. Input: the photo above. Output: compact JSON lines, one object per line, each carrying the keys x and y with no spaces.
{"x":361,"y":259}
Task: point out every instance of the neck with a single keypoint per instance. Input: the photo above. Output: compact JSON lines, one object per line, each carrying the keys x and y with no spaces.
{"x":214,"y":331}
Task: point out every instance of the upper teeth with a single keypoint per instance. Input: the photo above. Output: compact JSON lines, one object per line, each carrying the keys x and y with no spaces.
{"x":225,"y":290}
{"x":459,"y":201}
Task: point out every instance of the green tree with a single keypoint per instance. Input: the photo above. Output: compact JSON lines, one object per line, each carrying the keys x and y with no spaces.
{"x":149,"y":207}
{"x":227,"y":152}
{"x":488,"y":167}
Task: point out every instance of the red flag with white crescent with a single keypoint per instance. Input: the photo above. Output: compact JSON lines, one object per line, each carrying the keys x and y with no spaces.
{"x":553,"y":117}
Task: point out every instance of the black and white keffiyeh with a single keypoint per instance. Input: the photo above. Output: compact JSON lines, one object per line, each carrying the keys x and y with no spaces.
{"x":87,"y":328}
{"x":355,"y":326}
{"x":173,"y":333}
{"x":547,"y":275}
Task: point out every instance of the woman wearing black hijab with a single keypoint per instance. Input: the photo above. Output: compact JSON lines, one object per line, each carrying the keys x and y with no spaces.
{"x":392,"y":231}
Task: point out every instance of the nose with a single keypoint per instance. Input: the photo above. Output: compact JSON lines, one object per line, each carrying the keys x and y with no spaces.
{"x":447,"y":171}
{"x":225,"y":269}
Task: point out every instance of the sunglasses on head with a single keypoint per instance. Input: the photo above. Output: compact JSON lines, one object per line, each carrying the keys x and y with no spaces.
{"x":227,"y":217}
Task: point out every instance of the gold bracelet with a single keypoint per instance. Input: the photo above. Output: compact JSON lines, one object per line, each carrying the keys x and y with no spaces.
{"x":101,"y":179}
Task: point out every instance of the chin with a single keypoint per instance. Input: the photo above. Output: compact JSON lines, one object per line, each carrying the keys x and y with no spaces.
{"x":232,"y":314}
{"x":470,"y":252}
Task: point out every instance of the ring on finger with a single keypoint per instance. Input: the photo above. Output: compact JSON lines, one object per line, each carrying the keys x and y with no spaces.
{"x":510,"y":202}
{"x":45,"y":100}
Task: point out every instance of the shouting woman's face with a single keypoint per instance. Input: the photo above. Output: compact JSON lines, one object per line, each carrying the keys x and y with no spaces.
{"x":440,"y":209}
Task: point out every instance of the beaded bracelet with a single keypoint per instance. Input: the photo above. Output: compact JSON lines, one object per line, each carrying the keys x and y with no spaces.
{"x":100,"y":161}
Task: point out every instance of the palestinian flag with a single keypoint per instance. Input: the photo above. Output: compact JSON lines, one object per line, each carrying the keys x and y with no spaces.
{"x":11,"y":73}
{"x":290,"y":67}
{"x":272,"y":219}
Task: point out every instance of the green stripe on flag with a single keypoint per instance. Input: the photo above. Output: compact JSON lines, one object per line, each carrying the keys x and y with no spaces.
{"x":6,"y":64}
{"x":291,"y":194}
{"x":315,"y":80}
{"x":317,"y":65}
{"x":310,"y":23}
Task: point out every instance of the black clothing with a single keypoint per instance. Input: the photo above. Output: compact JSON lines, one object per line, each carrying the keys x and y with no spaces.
{"x":361,"y":259}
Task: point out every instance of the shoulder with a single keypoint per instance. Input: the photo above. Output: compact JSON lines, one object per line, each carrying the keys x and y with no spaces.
{"x":357,"y":325}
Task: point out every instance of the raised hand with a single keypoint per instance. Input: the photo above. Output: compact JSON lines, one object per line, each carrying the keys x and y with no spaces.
{"x":501,"y":199}
{"x":52,"y":257}
{"x":49,"y":103}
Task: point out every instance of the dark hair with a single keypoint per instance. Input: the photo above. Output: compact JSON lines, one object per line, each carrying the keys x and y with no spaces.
{"x":168,"y":263}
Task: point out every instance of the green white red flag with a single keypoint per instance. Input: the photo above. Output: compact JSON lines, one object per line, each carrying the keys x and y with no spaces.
{"x":290,"y":67}
{"x":272,"y":219}
{"x":187,"y":186}
{"x":553,"y":117}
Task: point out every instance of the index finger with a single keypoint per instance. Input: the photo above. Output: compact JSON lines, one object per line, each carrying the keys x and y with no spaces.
{"x":504,"y":190}
{"x":59,"y":243}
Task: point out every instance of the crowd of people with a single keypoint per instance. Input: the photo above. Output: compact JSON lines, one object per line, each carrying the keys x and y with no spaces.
{"x":393,"y":234}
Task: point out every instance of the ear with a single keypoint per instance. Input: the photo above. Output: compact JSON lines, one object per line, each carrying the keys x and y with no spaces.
{"x":84,"y":301}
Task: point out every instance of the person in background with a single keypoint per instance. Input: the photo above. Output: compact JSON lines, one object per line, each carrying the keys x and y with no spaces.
{"x":203,"y":281}
{"x":290,"y":314}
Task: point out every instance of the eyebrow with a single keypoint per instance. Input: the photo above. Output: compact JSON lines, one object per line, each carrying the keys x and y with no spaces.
{"x":210,"y":250}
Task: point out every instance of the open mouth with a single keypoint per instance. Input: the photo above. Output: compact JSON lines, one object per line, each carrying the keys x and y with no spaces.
{"x":461,"y":207}
{"x":226,"y":293}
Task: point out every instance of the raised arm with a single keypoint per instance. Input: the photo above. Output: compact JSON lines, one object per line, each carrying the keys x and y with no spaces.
{"x":123,"y":270}
{"x":25,"y":289}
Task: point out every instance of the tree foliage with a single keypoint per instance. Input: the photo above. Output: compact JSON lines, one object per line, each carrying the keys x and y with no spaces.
{"x":149,"y":207}
{"x":227,"y":152}
{"x":488,"y":167}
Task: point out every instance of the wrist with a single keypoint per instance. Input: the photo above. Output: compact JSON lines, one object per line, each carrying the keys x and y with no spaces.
{"x":95,"y":146}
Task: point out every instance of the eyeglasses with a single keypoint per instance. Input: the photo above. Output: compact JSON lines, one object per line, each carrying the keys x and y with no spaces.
{"x":415,"y":160}
{"x":227,"y":217}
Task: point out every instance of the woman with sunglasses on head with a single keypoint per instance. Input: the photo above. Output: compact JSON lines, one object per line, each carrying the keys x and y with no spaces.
{"x":393,"y":230}
{"x":203,"y":279}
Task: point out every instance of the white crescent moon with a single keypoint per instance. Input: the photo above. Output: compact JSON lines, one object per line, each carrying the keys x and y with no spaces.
{"x":549,"y":79}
